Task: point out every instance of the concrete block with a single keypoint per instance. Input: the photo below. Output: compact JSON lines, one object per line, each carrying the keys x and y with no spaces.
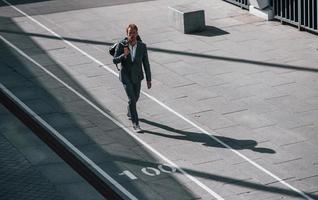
{"x":266,"y":14}
{"x":259,"y":4}
{"x":186,"y":19}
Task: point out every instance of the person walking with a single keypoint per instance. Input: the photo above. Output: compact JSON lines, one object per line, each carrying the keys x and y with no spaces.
{"x":132,"y":53}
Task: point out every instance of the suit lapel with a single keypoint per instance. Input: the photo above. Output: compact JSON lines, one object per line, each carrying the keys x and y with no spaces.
{"x":138,"y":50}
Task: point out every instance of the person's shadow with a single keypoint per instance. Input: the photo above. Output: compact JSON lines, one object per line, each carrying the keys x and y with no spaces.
{"x":205,"y":139}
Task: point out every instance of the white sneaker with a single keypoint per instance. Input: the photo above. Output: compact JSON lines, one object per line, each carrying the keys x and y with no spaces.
{"x":137,"y":128}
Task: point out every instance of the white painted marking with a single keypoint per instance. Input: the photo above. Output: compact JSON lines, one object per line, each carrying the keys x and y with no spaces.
{"x":61,"y":138}
{"x":171,"y":169}
{"x":149,"y":170}
{"x":128,"y":174}
{"x":172,"y":111}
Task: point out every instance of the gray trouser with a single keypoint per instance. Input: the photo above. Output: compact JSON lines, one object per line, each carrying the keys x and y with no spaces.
{"x":133,"y":92}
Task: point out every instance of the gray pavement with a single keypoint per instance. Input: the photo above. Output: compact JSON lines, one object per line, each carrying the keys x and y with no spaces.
{"x":251,"y":84}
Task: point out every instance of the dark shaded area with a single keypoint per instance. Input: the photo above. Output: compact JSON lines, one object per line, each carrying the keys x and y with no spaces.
{"x":19,"y":179}
{"x":58,"y":148}
{"x":16,"y":2}
{"x":205,"y":139}
{"x":230,"y":59}
{"x":210,"y":31}
{"x":56,"y":38}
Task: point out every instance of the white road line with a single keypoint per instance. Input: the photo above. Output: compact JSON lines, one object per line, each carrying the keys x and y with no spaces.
{"x":172,"y":111}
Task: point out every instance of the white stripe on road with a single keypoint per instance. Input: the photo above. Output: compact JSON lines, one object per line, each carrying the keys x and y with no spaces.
{"x":172,"y":111}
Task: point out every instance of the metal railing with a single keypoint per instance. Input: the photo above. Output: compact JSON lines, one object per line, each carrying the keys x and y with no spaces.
{"x":302,"y":13}
{"x":241,"y":3}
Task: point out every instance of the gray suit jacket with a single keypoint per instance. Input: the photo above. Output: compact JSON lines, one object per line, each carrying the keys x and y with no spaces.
{"x":132,"y":71}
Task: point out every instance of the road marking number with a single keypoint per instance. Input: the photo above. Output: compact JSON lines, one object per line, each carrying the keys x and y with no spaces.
{"x":150,"y":171}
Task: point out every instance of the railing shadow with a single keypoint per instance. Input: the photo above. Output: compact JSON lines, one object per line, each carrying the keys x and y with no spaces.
{"x":205,"y":139}
{"x":199,"y":55}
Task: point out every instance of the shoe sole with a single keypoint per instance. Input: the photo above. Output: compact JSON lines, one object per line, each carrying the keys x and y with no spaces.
{"x":138,"y":131}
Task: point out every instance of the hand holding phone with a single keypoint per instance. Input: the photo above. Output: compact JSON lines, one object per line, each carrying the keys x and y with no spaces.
{"x":126,"y":51}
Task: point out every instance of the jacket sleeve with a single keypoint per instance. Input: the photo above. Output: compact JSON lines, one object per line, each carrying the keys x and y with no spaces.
{"x":119,"y":54}
{"x":146,"y":64}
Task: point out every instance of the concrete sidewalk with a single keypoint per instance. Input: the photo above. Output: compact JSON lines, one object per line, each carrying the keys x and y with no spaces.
{"x":248,"y":83}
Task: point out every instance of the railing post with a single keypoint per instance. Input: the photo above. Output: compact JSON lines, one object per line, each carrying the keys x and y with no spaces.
{"x":313,"y":14}
{"x":299,"y":14}
{"x":281,"y":11}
